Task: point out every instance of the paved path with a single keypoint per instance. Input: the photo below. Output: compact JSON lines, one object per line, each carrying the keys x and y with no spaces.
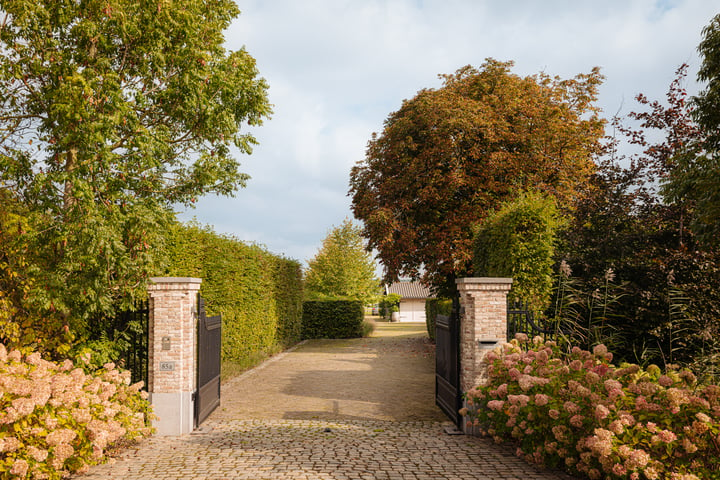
{"x":328,"y":410}
{"x":390,"y":376}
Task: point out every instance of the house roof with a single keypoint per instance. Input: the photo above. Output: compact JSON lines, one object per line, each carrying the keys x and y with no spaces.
{"x":408,"y":289}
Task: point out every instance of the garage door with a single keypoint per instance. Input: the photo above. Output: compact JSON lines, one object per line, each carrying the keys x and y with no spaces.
{"x":412,"y":311}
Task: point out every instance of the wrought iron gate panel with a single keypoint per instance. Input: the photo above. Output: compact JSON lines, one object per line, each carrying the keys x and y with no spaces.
{"x":447,"y":363}
{"x":209,"y":338}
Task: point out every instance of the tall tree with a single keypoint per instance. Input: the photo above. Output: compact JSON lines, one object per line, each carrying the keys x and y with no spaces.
{"x":449,"y":156}
{"x":632,"y":224}
{"x":697,"y":164}
{"x":342,"y":266}
{"x":111,"y":113}
{"x":707,"y":103}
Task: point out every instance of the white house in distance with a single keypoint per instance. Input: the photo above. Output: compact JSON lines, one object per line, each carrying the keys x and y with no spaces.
{"x":412,"y":299}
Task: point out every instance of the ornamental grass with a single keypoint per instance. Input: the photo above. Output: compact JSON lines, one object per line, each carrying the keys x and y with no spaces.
{"x":56,"y":419}
{"x":579,"y":412}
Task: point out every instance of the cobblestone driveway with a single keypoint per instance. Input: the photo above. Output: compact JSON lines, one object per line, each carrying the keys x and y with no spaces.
{"x":316,"y":434}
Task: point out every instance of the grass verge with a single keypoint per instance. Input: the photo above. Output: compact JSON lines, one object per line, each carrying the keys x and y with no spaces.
{"x":232,"y":368}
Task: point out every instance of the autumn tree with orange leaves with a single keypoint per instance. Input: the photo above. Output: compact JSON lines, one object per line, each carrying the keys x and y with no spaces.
{"x":450,"y":156}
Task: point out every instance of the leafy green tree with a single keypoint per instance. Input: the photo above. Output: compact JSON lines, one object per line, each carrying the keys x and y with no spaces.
{"x":449,"y":156}
{"x":14,"y":283}
{"x":113,"y":112}
{"x":694,"y":179}
{"x":707,"y":103}
{"x":388,"y":304}
{"x":343,"y":267}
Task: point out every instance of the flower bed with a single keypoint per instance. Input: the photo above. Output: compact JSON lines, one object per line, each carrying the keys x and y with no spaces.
{"x":581,"y":413}
{"x":55,"y":418}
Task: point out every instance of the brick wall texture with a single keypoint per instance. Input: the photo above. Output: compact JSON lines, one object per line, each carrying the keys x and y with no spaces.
{"x":483,"y":324}
{"x":173,"y":316}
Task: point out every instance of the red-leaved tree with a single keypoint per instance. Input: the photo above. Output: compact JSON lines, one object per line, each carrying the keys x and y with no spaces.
{"x":449,"y":156}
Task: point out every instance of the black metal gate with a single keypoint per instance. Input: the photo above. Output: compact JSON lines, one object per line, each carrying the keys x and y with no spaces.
{"x":447,"y":363}
{"x":209,"y":337}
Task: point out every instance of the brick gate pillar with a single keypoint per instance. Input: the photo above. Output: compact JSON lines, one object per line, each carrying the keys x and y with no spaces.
{"x":483,"y":324}
{"x":172,"y":342}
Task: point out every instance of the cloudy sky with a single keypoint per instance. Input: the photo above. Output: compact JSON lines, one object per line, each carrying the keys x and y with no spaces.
{"x":337,"y":68}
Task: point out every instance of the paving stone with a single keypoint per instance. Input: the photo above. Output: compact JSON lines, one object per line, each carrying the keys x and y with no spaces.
{"x":285,"y":449}
{"x":358,"y":440}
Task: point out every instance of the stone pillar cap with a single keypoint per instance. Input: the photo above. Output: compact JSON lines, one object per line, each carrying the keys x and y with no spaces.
{"x":175,"y":280}
{"x":483,"y":280}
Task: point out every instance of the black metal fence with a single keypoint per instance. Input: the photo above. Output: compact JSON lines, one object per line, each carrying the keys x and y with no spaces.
{"x":521,"y":319}
{"x":135,"y":355}
{"x":124,"y":339}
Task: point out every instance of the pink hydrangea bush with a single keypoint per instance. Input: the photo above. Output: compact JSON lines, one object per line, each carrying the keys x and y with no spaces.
{"x":55,"y":418}
{"x":581,"y":413}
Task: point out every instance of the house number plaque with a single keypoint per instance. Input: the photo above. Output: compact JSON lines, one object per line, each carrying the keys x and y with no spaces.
{"x":167,"y":366}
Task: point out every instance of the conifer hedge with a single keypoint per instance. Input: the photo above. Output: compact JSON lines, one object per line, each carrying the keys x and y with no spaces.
{"x":518,"y":241}
{"x":258,"y":294}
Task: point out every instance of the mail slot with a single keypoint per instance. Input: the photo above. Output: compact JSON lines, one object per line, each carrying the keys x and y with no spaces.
{"x":488,"y":342}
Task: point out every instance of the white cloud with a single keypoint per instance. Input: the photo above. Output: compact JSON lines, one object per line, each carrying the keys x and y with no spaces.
{"x":337,"y":68}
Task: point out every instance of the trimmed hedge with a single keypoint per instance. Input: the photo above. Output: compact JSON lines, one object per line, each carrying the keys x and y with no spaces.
{"x":332,"y":319}
{"x":258,"y":294}
{"x":433,"y":308}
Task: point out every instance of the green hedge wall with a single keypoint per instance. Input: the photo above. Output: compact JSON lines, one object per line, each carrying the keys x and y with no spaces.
{"x":433,"y":307}
{"x":258,"y":294}
{"x":332,"y":319}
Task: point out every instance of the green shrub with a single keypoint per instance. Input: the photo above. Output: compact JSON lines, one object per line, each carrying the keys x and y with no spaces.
{"x":258,"y":294}
{"x":518,"y":241}
{"x":433,"y":308}
{"x":56,"y":418}
{"x":333,"y":319}
{"x":579,"y":412}
{"x":368,"y":327}
{"x":388,"y":304}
